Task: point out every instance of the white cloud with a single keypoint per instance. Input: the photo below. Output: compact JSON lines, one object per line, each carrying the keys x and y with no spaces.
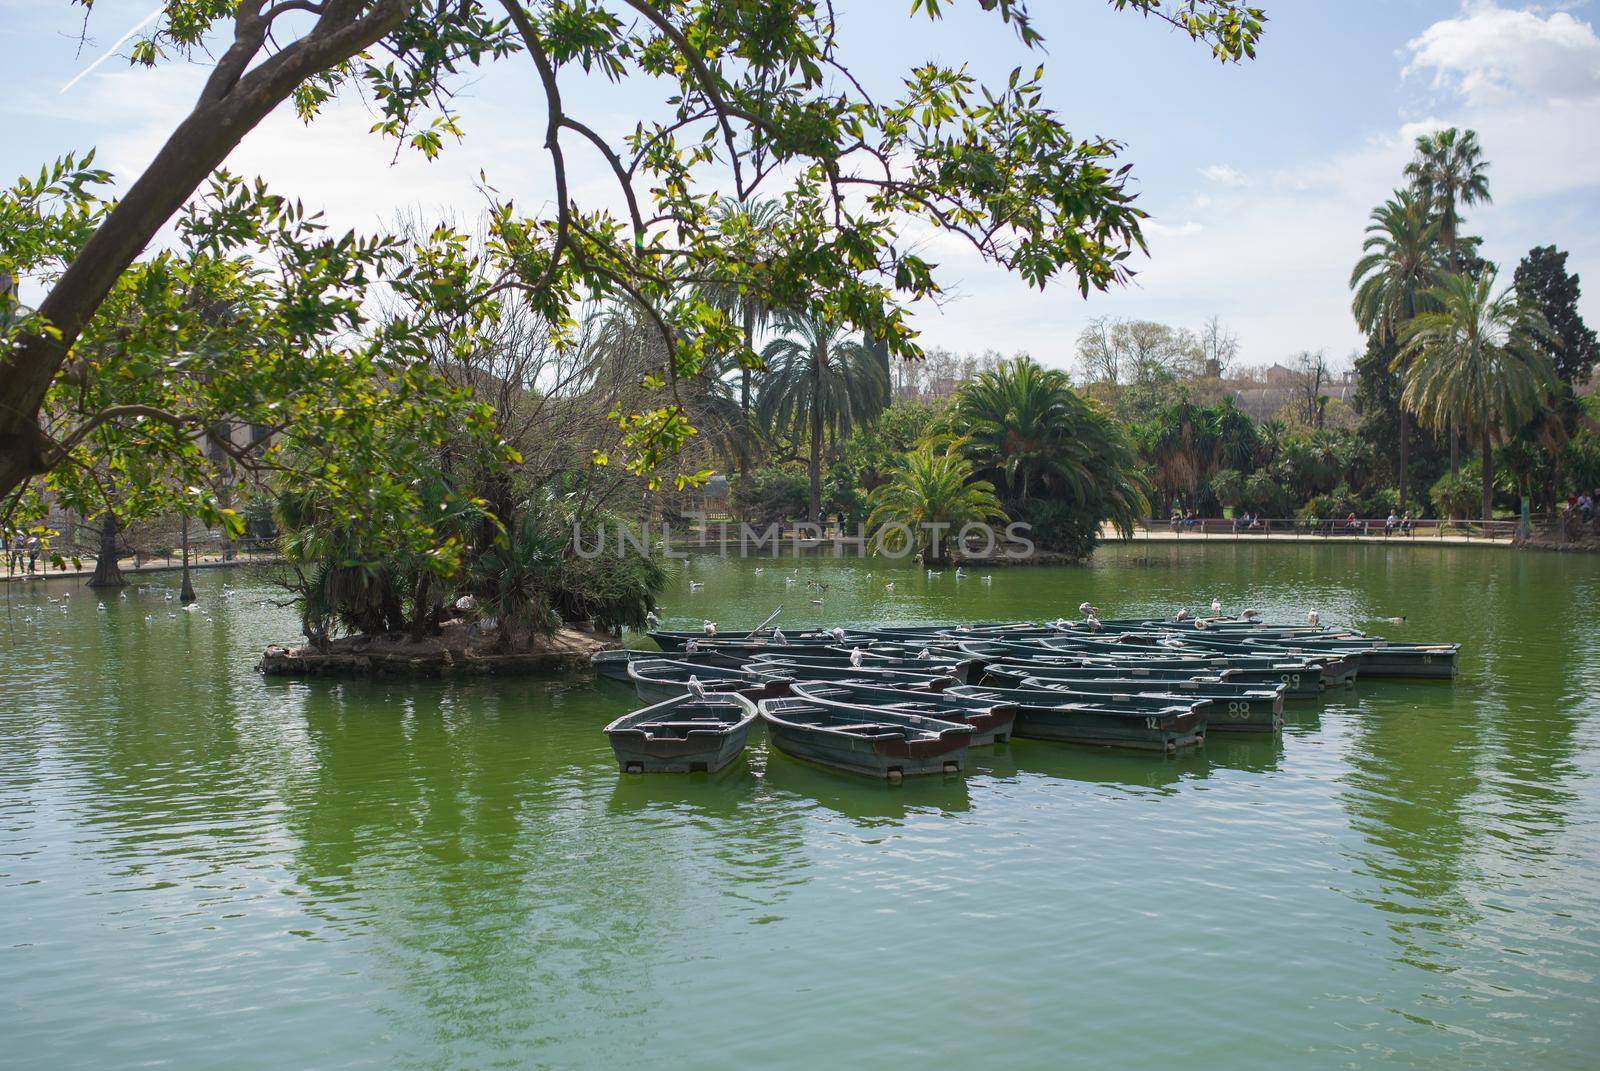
{"x":1494,"y":55}
{"x":1223,"y":175}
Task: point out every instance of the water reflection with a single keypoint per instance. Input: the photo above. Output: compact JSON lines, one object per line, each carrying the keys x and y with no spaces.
{"x":866,"y":802}
{"x":212,"y":869}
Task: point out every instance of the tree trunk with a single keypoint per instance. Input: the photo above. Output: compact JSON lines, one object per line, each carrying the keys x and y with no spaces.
{"x":107,"y":574}
{"x":235,"y":99}
{"x":186,"y":595}
{"x":1405,"y":457}
{"x":1455,"y":451}
{"x":1488,"y":476}
{"x":420,"y":607}
{"x":816,"y":438}
{"x":744,"y":395}
{"x":816,"y":466}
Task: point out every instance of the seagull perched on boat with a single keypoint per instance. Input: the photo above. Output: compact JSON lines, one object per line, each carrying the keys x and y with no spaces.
{"x":837,"y":633}
{"x":779,"y":638}
{"x":924,"y":653}
{"x":709,"y":627}
{"x":1181,"y":615}
{"x":1200,"y":623}
{"x":1061,"y":623}
{"x":691,"y":647}
{"x":651,"y":619}
{"x":1251,"y":615}
{"x":696,"y":689}
{"x":1087,"y":611}
{"x":1216,"y":606}
{"x":856,"y":657}
{"x":1313,"y":618}
{"x":1093,"y":622}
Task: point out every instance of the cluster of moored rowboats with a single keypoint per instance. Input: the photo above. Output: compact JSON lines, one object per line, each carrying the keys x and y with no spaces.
{"x":894,"y":702}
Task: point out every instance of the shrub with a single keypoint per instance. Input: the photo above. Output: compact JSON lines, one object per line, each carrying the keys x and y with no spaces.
{"x":1380,"y":502}
{"x":772,"y":494}
{"x":1263,"y":494}
{"x":1062,"y":526}
{"x":1455,"y":496}
{"x":1227,"y":487}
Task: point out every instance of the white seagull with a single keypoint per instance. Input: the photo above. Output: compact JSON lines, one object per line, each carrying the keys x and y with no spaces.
{"x":1216,"y":606}
{"x":696,"y":689}
{"x":856,"y":657}
{"x":1313,"y":618}
{"x":709,"y":627}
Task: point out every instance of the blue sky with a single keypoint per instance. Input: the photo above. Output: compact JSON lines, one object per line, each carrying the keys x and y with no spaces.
{"x":1258,"y":176}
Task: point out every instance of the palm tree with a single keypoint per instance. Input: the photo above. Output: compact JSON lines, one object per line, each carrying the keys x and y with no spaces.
{"x":818,"y":381}
{"x":1012,"y":419}
{"x":1028,"y":431}
{"x":749,"y":225}
{"x":1473,"y":363}
{"x":1400,"y":257}
{"x":1449,"y":171}
{"x":935,"y":488}
{"x":627,"y":345}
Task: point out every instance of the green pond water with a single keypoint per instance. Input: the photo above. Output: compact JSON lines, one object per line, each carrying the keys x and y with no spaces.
{"x":200,"y":868}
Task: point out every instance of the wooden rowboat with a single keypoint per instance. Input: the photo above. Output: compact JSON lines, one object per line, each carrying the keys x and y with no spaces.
{"x":892,"y":678}
{"x":1233,"y":708}
{"x":659,"y":679}
{"x":685,"y":734}
{"x":613,"y":664}
{"x":1046,"y":715}
{"x":991,"y":723}
{"x":876,"y":741}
